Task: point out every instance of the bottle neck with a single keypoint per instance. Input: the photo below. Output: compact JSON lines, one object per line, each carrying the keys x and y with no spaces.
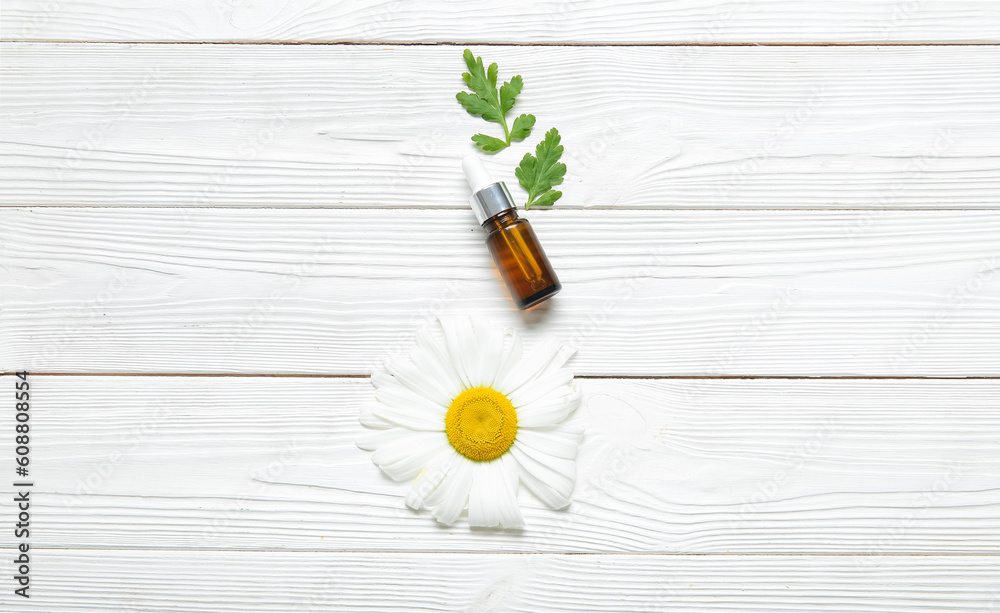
{"x":500,"y":219}
{"x":491,"y":201}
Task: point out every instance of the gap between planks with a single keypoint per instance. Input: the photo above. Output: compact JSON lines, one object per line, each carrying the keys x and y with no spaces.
{"x":611,"y":377}
{"x":451,"y":208}
{"x":351,"y":43}
{"x":526,"y":553}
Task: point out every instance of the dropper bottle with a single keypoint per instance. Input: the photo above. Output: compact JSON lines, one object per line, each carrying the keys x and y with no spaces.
{"x":516,"y":252}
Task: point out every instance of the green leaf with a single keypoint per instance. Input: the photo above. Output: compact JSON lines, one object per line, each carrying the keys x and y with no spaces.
{"x":492,"y":76}
{"x":522,"y":127}
{"x":546,"y":199}
{"x":538,"y":173}
{"x":475,"y":105}
{"x":491,"y":104}
{"x":488,"y":143}
{"x":484,"y":85}
{"x":509,"y":91}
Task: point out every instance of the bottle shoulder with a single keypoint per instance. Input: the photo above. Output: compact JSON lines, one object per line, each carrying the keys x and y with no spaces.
{"x":505,"y":220}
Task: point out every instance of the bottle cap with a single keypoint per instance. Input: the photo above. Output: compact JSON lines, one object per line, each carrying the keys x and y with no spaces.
{"x":489,"y":197}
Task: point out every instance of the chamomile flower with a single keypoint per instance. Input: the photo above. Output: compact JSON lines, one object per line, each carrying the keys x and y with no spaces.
{"x":469,"y":417}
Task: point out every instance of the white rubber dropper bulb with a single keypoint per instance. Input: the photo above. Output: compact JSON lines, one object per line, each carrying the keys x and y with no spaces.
{"x":476,"y":173}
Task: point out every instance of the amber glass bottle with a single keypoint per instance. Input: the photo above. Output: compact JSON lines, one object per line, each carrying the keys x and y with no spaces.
{"x":515,"y":248}
{"x":522,"y":263}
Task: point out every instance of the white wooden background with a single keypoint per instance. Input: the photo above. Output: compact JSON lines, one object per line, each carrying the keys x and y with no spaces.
{"x":779,"y":242}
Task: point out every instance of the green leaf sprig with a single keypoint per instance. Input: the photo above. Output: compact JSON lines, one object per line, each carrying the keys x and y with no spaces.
{"x":538,"y":173}
{"x":493,"y":105}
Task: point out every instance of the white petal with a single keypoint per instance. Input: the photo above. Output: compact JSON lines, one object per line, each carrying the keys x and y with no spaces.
{"x":374,"y":440}
{"x":548,"y":480}
{"x":421,"y":379}
{"x":528,"y":366}
{"x":458,"y":339}
{"x":561,"y":442}
{"x":559,"y":360}
{"x":549,"y":355}
{"x":484,"y":503}
{"x":576,"y":397}
{"x":408,"y":418}
{"x":542,"y":386}
{"x":510,"y":510}
{"x":402,"y":406}
{"x":429,"y":481}
{"x":393,"y":393}
{"x":512,"y":352}
{"x":381,"y":378}
{"x":403,"y":453}
{"x":469,"y":345}
{"x":454,"y":493}
{"x":543,"y":414}
{"x":455,"y":462}
{"x":554,"y":465}
{"x":370,"y":420}
{"x":549,"y":410}
{"x":404,"y":458}
{"x":430,"y":353}
{"x":487,"y":352}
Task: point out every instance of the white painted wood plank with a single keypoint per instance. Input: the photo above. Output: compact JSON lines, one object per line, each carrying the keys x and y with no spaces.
{"x":871,"y":467}
{"x":86,"y":581}
{"x":368,"y":126}
{"x":777,"y":293}
{"x":518,"y":21}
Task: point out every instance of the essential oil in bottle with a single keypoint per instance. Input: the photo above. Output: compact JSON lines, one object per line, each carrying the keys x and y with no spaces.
{"x":522,"y":263}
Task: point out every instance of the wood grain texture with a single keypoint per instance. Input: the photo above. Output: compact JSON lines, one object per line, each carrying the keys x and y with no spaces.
{"x":212,"y":493}
{"x":87,"y":581}
{"x":518,"y":21}
{"x":655,"y":293}
{"x":368,"y":126}
{"x":865,"y":467}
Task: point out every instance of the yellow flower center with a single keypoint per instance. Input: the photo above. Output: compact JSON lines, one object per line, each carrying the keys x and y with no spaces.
{"x":481,"y":423}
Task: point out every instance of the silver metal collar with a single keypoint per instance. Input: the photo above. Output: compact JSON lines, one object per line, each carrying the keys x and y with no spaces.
{"x":491,"y":201}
